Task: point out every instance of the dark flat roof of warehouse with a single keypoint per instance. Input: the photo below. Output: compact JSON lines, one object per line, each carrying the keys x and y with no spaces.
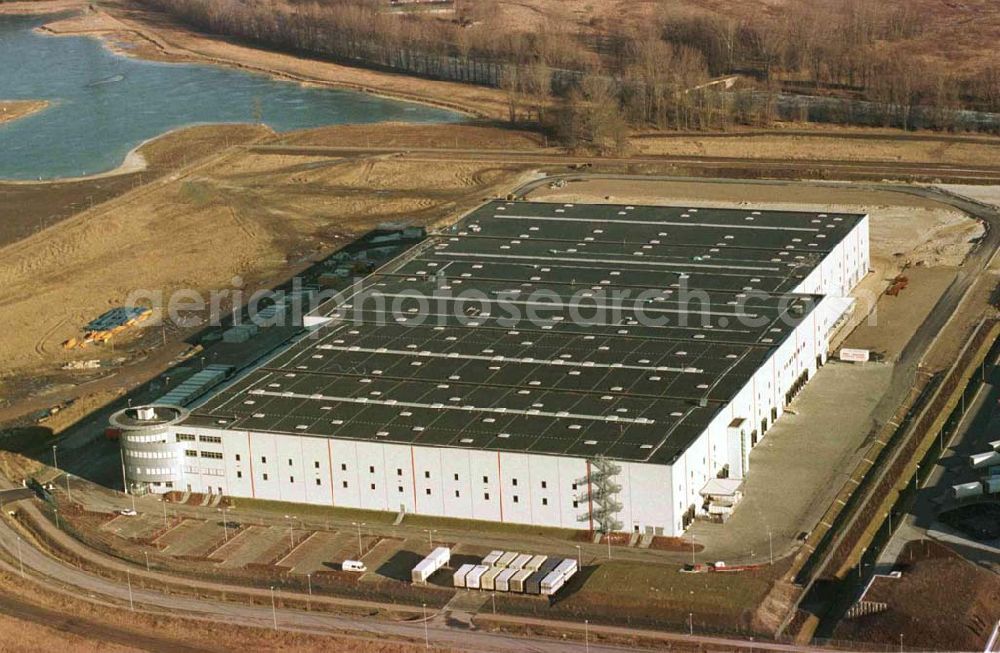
{"x":505,"y":348}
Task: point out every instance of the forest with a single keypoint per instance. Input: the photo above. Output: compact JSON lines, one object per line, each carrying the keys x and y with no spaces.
{"x":679,"y":67}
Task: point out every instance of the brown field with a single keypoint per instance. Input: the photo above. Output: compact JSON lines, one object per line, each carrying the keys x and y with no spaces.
{"x":825,"y":144}
{"x":621,"y":592}
{"x":941,"y":602}
{"x":13,"y":109}
{"x":233,"y":214}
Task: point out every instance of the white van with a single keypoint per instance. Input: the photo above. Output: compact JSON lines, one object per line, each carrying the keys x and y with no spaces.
{"x":354,"y":565}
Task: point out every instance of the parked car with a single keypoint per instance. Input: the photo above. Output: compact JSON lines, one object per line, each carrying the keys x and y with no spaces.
{"x":354,"y":565}
{"x":128,"y":512}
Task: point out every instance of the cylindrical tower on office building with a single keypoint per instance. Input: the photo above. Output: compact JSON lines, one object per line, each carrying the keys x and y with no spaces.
{"x":152,"y":459}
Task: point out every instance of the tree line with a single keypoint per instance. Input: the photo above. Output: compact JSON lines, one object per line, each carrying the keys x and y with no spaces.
{"x":591,"y":85}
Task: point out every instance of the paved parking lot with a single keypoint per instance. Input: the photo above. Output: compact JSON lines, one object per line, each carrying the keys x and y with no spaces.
{"x":251,"y":545}
{"x":139,"y":526}
{"x":316,"y":553}
{"x":802,"y":462}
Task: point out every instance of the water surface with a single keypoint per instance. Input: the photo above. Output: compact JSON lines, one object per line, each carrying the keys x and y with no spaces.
{"x":103,"y":105}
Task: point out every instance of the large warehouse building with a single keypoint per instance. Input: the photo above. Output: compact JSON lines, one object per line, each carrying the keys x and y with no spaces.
{"x":489,"y":371}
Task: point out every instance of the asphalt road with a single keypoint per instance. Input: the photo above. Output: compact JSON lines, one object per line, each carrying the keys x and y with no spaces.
{"x":57,"y":575}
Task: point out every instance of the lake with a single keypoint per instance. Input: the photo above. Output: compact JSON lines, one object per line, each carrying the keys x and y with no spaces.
{"x":103,"y":105}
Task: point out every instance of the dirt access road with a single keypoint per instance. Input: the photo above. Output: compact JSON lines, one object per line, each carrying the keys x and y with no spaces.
{"x":717,"y":166}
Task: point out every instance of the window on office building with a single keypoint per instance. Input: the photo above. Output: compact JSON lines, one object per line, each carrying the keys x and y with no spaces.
{"x":545,"y":501}
{"x":319,"y":482}
{"x":265,"y":476}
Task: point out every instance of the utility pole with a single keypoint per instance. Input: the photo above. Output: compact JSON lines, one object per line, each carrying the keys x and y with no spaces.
{"x":274,"y":610}
{"x":427,"y":640}
{"x":359,"y":525}
{"x":121,"y":454}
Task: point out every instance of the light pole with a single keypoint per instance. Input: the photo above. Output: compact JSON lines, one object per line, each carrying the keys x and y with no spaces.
{"x":579,"y":557}
{"x":128,"y":579}
{"x":55,"y":462}
{"x":692,"y":551}
{"x":57,"y":516}
{"x":608,"y":535}
{"x":274,"y":610}
{"x":427,"y":639}
{"x":691,"y":623}
{"x":359,"y":525}
{"x":69,"y":492}
{"x":586,"y":634}
{"x":225,"y":523}
{"x":430,"y":535}
{"x":20,"y":560}
{"x":770,"y":545}
{"x":121,"y":455}
{"x":146,"y":554}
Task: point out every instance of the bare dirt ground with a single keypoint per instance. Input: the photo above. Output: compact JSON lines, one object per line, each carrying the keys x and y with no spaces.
{"x":823,"y":144}
{"x":28,"y":207}
{"x":229,"y":213}
{"x":11,"y":110}
{"x":941,"y":602}
{"x":985,"y":194}
{"x":25,"y":7}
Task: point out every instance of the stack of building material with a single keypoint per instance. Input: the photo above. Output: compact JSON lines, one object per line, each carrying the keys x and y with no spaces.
{"x":197,"y":385}
{"x":437,"y":558}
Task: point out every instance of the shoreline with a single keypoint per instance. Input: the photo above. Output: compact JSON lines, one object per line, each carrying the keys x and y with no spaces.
{"x":134,"y":161}
{"x":152,"y":45}
{"x":13,"y":110}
